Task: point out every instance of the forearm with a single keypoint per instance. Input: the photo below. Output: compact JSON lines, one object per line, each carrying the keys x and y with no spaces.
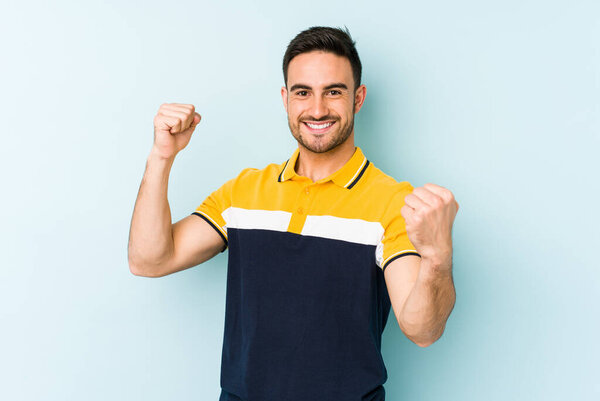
{"x":150,"y":235}
{"x":426,"y":310}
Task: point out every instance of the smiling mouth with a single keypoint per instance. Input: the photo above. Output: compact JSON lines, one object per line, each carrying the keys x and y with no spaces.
{"x":318,"y":128}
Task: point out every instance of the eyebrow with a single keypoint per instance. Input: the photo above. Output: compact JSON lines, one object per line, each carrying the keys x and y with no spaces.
{"x":330,"y":86}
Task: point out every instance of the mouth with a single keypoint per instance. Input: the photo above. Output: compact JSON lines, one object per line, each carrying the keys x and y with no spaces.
{"x":318,"y":128}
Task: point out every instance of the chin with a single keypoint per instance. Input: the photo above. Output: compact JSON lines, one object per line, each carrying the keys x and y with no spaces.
{"x":321,"y":148}
{"x":327,"y":142}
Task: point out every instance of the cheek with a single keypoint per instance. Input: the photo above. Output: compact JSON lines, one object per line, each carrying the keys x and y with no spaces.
{"x":345,"y":110}
{"x":294,"y":110}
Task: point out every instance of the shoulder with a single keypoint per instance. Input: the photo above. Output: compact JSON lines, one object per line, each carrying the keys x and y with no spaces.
{"x":253,"y":175}
{"x":385,"y":185}
{"x":390,"y":193}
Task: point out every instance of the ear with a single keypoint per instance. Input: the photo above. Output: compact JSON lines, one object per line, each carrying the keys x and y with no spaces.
{"x":359,"y":97}
{"x":284,"y":97}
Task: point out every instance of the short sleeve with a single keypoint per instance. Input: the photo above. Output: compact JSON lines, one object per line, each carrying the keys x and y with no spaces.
{"x":213,"y":207}
{"x":395,"y":243}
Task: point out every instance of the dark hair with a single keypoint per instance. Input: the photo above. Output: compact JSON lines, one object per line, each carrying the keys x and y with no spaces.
{"x":333,"y":40}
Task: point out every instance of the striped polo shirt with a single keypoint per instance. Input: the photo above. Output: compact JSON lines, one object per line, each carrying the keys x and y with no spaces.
{"x":306,"y":299}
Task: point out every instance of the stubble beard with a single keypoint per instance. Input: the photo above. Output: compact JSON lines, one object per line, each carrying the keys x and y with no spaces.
{"x":319,"y":146}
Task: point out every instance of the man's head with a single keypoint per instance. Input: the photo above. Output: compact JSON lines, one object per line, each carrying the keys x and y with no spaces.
{"x":322,"y":72}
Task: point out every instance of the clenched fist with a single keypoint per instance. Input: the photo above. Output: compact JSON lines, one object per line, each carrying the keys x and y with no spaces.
{"x":429,"y":213}
{"x":173,"y":127}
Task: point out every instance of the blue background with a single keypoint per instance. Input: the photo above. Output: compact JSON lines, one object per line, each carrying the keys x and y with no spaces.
{"x":497,"y":101}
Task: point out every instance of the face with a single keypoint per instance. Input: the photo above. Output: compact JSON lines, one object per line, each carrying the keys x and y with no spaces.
{"x":321,"y":100}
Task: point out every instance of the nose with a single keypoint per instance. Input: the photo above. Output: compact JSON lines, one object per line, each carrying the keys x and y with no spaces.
{"x":318,"y":107}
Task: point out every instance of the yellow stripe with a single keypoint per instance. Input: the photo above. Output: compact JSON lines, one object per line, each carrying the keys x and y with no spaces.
{"x":396,"y":254}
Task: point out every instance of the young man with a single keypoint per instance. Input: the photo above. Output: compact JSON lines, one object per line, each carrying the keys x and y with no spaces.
{"x":320,"y":245}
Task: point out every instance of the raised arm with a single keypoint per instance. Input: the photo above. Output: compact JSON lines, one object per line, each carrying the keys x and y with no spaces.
{"x":156,"y":246}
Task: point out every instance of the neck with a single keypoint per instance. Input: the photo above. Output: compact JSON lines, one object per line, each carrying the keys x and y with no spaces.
{"x":320,"y":165}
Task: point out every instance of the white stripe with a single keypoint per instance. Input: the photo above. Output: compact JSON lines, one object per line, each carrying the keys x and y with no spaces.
{"x":351,"y":230}
{"x":287,"y":163}
{"x":379,"y":253}
{"x":357,"y":171}
{"x":276,"y":220}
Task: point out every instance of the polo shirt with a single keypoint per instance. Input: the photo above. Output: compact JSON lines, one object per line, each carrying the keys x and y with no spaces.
{"x":306,"y":299}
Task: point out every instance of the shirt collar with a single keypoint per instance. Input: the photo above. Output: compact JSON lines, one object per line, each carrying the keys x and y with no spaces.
{"x":347,"y":176}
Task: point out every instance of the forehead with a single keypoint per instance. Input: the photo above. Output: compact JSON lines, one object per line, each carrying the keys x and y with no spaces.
{"x":319,"y":68}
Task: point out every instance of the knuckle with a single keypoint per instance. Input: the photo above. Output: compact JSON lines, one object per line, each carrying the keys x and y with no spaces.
{"x":437,"y":201}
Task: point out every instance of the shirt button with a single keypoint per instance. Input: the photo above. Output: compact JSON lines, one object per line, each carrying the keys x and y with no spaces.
{"x":300,"y":210}
{"x":306,"y":191}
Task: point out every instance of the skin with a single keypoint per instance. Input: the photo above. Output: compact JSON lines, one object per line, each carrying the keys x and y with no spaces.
{"x":421,"y":289}
{"x":321,"y":88}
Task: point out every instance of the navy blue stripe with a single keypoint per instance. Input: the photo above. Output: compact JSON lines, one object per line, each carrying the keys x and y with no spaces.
{"x":399,"y":256}
{"x":281,"y":174}
{"x":360,"y":175}
{"x":215,"y":227}
{"x":290,"y":298}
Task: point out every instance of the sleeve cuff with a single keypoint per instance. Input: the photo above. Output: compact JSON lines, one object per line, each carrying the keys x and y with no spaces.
{"x":398,"y":255}
{"x":215,"y":226}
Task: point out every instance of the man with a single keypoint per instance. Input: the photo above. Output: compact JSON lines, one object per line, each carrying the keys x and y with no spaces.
{"x":320,"y":246}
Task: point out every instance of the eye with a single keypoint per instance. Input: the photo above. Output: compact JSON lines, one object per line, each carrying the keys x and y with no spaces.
{"x":301,"y":93}
{"x":335,"y":92}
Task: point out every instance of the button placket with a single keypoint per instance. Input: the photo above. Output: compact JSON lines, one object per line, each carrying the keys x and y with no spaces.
{"x":300,"y":210}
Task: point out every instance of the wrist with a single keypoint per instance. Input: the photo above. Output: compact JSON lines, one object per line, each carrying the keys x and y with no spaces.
{"x":157,"y":156}
{"x":438,"y":257}
{"x":434,"y":271}
{"x":437,"y":261}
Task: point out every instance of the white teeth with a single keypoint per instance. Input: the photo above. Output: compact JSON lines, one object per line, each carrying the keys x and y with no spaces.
{"x":315,"y":126}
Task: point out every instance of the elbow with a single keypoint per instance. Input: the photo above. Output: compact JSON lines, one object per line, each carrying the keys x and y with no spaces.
{"x":427,"y":341}
{"x":135,"y":269}
{"x":423,"y":340}
{"x":423,"y":343}
{"x":143,"y":271}
{"x":138,"y":266}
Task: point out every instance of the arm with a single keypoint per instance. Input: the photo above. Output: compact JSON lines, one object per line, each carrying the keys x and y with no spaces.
{"x":422,"y":290}
{"x":157,"y":247}
{"x":422,"y":295}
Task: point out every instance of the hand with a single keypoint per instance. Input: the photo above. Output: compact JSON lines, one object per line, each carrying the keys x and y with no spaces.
{"x":173,"y":127}
{"x":429,"y":213}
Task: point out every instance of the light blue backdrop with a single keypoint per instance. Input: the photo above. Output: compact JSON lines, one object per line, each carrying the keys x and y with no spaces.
{"x":497,"y":101}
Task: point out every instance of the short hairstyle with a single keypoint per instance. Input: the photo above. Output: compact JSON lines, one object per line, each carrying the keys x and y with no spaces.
{"x":333,"y":40}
